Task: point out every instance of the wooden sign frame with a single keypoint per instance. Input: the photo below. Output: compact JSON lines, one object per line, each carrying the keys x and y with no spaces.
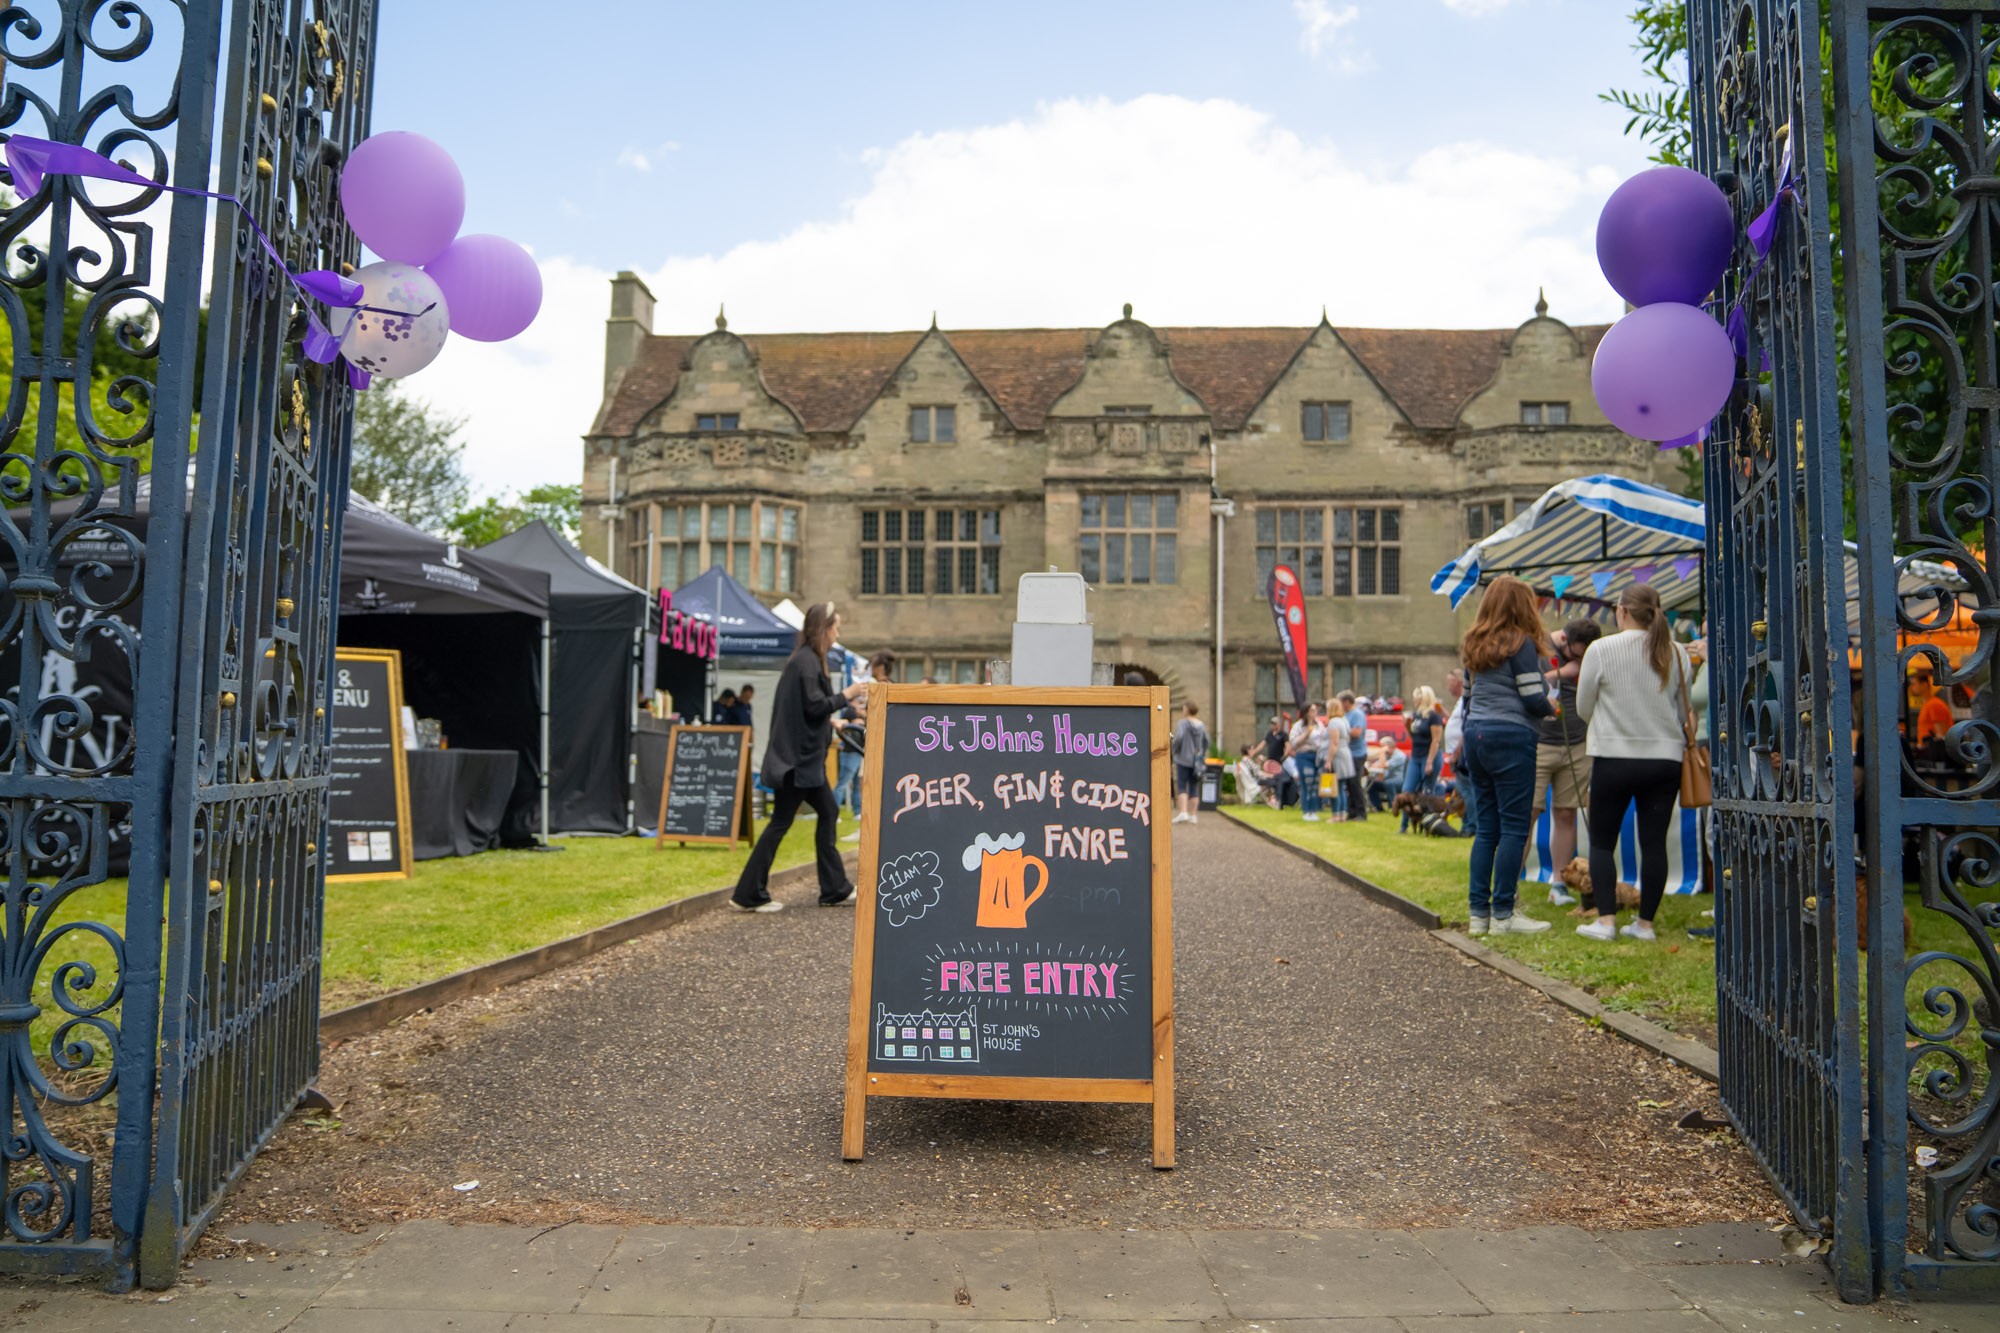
{"x":738,"y":811}
{"x":405,"y":848}
{"x":1157,"y":1090}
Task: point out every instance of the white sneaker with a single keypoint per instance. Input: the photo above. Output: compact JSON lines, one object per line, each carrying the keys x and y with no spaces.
{"x":1518,"y":924}
{"x":768,"y":905}
{"x":1180,"y":818}
{"x":851,"y":837}
{"x":1478,"y":925}
{"x":1311,"y":819}
{"x":1600,"y":929}
{"x":1637,"y":930}
{"x":1194,"y":819}
{"x":1561,"y":897}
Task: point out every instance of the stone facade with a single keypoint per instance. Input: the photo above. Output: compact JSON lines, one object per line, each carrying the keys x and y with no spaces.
{"x":913,"y":477}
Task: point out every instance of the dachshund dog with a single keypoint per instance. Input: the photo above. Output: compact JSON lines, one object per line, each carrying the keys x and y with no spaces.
{"x":1576,"y":878}
{"x":1430,"y":815}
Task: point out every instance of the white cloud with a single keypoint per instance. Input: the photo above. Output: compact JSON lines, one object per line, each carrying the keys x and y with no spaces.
{"x":1320,"y":25}
{"x":1477,"y":8}
{"x":633,"y":158}
{"x":1196,"y":212}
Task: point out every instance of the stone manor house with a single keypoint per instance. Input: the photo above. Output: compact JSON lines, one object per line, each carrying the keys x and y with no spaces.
{"x":911,"y":478}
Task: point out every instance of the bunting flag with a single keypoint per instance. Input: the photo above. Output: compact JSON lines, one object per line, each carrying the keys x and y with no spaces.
{"x":1561,"y":582}
{"x":1644,"y":573}
{"x":1602,"y":580}
{"x":1687,"y":565}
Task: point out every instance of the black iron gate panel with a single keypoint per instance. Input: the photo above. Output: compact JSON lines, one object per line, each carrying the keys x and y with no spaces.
{"x":1919,"y":166}
{"x":91,"y":271}
{"x":198,"y":557}
{"x":239,"y":1035}
{"x":1787,"y":977}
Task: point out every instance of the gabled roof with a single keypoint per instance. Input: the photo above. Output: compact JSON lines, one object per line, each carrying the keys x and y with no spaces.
{"x":829,"y":379}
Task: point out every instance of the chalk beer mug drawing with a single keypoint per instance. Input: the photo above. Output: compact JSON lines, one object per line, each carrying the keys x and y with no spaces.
{"x":1003,"y":880}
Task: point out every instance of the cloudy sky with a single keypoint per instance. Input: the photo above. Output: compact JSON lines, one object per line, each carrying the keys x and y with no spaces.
{"x":861,"y":165}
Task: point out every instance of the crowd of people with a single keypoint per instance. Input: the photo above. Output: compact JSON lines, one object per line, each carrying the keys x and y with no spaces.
{"x":1584,"y":724}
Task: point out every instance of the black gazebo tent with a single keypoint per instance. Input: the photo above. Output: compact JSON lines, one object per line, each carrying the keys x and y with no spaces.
{"x":474,"y":633}
{"x":597,"y":620}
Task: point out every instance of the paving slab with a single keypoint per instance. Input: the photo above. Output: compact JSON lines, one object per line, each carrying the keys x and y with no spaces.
{"x":606,"y":1323}
{"x":1801,"y":1298}
{"x":1128,"y":1275}
{"x":1551,"y":1269}
{"x":877,"y":1273}
{"x":432,"y":1265}
{"x":1620,"y":1321}
{"x":741,"y":1272}
{"x":821,"y":1325}
{"x":1314,"y":1275}
{"x":300,"y":1237}
{"x":1716,"y":1242}
{"x":82,"y":1310}
{"x":400,"y":1321}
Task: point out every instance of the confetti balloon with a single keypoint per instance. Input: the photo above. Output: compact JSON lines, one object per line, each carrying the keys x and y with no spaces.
{"x":1663,"y":371}
{"x":403,"y":196}
{"x":400,"y":325}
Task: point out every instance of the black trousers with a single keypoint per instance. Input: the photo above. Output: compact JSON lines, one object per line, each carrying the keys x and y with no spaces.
{"x":1654,"y":785}
{"x":754,"y":886}
{"x":1357,"y":795}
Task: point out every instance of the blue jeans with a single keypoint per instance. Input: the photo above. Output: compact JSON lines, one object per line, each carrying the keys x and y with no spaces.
{"x":847,"y":790}
{"x":1308,"y":763}
{"x":1415,"y":779}
{"x":1500,"y":767}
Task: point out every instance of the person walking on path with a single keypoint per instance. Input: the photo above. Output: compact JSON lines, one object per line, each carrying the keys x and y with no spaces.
{"x":795,"y":767}
{"x":1190,"y":755}
{"x":1357,"y":751}
{"x":1307,"y":738}
{"x":1632,"y":692}
{"x":1334,"y":758}
{"x":1562,"y":761}
{"x":1504,"y":697}
{"x":1426,"y":726}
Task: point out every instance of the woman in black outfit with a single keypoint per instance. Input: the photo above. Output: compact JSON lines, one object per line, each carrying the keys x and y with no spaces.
{"x":795,"y":767}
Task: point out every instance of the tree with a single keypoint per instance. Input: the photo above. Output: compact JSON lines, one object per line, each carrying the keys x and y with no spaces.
{"x":408,"y":458}
{"x":1660,"y":114}
{"x":557,"y":504}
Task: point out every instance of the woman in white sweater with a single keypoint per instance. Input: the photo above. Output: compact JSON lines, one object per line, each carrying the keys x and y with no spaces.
{"x":1630,"y":694}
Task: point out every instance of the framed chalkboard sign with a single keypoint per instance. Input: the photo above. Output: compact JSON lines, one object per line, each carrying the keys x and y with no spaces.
{"x":703,"y":797}
{"x":368,"y":792}
{"x":1014,"y":936}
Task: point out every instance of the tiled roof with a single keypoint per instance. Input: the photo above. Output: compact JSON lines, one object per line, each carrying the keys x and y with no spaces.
{"x":829,"y":379}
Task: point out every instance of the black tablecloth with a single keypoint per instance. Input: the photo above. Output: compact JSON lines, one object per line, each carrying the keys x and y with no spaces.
{"x":458,"y":799}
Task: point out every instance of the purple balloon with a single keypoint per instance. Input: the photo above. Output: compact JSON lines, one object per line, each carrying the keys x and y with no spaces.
{"x":1665,"y":235}
{"x":403,"y":196}
{"x":491,"y":284}
{"x":1663,"y":371}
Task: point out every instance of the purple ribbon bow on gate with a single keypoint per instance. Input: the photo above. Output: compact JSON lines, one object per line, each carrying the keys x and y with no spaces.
{"x":29,"y":160}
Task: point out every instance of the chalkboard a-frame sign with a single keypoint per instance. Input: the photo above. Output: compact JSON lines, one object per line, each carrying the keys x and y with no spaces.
{"x":1014,"y":931}
{"x":703,"y":796}
{"x":368,"y":791}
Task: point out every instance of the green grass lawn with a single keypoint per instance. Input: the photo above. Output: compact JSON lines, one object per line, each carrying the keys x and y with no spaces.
{"x":385,"y":935}
{"x":1671,"y":982}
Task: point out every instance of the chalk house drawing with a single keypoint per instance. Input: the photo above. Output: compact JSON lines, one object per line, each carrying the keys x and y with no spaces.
{"x":909,"y":886}
{"x":927,"y":1035}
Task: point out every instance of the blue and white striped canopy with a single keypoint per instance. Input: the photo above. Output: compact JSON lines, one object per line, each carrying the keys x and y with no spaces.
{"x":1602,"y":526}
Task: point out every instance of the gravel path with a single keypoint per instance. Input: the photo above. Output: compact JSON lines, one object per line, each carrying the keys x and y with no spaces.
{"x":1336,"y":1067}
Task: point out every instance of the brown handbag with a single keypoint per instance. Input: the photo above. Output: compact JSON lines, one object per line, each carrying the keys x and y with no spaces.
{"x":1697,"y":775}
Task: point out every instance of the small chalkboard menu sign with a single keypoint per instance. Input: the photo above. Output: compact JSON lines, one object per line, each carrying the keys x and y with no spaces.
{"x":1014,"y":937}
{"x":368,"y":788}
{"x":703,"y":797}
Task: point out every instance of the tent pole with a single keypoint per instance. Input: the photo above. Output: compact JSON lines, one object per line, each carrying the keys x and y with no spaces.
{"x":546,"y":660}
{"x":632,"y":683}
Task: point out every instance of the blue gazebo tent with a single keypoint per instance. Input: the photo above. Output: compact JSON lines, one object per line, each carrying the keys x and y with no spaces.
{"x":745,"y":626}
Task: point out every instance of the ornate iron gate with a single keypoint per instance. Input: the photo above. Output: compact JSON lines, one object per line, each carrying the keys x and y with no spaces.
{"x":1807,"y":627}
{"x":205,"y":1039}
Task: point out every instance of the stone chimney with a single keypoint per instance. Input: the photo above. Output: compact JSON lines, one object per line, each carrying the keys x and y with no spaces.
{"x":630,"y":324}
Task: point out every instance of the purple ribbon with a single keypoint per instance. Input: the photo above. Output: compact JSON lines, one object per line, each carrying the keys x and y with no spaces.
{"x":1762,"y":233}
{"x":29,"y":160}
